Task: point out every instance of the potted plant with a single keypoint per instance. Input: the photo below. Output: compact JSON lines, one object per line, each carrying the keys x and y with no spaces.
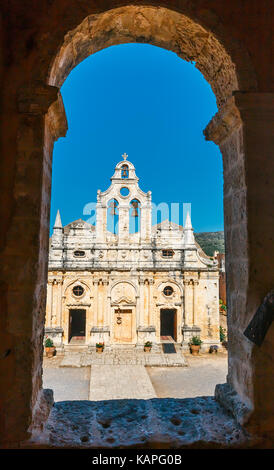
{"x":99,"y":347}
{"x":222,"y":334}
{"x":147,"y":346}
{"x":195,"y":344}
{"x":49,"y":347}
{"x":223,"y":338}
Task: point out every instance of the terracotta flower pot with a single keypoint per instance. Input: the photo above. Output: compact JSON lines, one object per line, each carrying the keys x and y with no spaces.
{"x":194,"y":349}
{"x":147,"y":348}
{"x":99,"y":350}
{"x":50,"y":351}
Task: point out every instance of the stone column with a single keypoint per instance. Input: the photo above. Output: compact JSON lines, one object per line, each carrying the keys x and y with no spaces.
{"x":150,"y":306}
{"x":195,"y":284}
{"x":243,"y":129}
{"x":108,"y":319}
{"x":146,"y":303}
{"x":54,"y":303}
{"x":101,"y":221}
{"x":188,"y":312}
{"x":146,"y":220}
{"x":188,"y":303}
{"x":123,"y":222}
{"x":49,"y":304}
{"x":141,"y":302}
{"x":96,"y":294}
{"x":59,"y":303}
{"x":104,"y":307}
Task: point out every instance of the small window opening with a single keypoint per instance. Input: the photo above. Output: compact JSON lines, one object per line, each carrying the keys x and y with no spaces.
{"x":79,"y":253}
{"x":168,"y":290}
{"x":167,"y":253}
{"x":78,"y":291}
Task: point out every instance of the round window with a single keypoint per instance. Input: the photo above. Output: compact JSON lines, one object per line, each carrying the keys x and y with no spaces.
{"x":124,"y":191}
{"x":168,"y":290}
{"x":78,"y":291}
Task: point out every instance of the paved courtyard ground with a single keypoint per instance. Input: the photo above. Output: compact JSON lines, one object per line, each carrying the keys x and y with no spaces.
{"x":198,"y":379}
{"x":105,"y":382}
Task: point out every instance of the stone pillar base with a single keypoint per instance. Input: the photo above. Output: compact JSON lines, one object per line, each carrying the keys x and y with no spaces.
{"x":188,"y":332}
{"x":231,"y":401}
{"x":56,"y":334}
{"x":146,"y":333}
{"x":41,"y":412}
{"x":99,"y":335}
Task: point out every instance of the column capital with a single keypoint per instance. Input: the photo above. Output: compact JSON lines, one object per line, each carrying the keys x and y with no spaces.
{"x":226,"y":121}
{"x":242,"y":106}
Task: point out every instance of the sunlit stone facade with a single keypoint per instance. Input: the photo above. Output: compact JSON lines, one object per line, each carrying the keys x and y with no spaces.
{"x":124,"y":287}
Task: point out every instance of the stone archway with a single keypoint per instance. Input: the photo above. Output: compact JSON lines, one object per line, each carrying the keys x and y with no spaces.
{"x":157,"y":26}
{"x":38,"y":120}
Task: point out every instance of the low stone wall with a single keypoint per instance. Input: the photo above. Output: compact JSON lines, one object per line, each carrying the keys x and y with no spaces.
{"x":155,"y":423}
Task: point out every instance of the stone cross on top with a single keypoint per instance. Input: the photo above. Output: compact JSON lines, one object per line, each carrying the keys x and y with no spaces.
{"x":124,"y":156}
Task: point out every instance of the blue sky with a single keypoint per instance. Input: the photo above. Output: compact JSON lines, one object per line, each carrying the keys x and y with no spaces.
{"x":149,"y":103}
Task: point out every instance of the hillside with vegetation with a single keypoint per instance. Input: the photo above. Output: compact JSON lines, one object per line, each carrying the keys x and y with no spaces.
{"x":211,"y":241}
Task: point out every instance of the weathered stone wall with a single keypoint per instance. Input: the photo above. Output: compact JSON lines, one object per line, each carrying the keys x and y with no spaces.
{"x":32,"y":34}
{"x":246,"y":139}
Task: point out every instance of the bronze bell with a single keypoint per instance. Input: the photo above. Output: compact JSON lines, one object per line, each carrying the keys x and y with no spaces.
{"x":135,"y":209}
{"x":113,"y":206}
{"x":124,"y":171}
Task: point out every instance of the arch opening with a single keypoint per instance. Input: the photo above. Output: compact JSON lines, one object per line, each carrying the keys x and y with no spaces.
{"x":152,"y":25}
{"x":222,"y":79}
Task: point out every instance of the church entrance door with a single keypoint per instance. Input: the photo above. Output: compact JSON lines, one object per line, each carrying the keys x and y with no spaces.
{"x":168,"y":324}
{"x":123,"y":325}
{"x":77,"y":325}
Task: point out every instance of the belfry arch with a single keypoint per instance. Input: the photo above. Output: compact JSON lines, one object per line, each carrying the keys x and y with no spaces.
{"x":241,"y":128}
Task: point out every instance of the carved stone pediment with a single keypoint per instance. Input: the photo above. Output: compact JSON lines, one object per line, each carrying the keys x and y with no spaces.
{"x":124,"y":300}
{"x":123,"y":292}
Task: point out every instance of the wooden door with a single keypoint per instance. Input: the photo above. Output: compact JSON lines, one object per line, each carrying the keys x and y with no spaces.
{"x":123,"y":326}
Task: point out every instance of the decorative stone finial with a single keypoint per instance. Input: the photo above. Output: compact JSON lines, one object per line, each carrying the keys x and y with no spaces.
{"x":188,"y":231}
{"x":58,"y":223}
{"x":188,"y":224}
{"x":125,"y":156}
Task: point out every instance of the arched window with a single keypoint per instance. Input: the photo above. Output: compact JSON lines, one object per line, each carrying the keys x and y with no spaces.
{"x":134,"y":216}
{"x":113,"y":216}
{"x":124,"y":171}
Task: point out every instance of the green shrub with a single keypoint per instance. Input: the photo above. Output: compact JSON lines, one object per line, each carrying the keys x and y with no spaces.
{"x":49,"y":343}
{"x":196,"y":341}
{"x":148,"y":344}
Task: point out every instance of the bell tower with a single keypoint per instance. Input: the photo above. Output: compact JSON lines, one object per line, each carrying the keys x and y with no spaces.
{"x":128,"y":200}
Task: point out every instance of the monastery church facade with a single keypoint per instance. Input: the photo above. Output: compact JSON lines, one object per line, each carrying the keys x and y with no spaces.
{"x":126,"y":288}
